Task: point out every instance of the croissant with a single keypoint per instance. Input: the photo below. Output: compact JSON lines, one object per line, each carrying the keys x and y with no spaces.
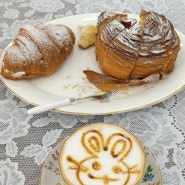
{"x":37,"y":51}
{"x":128,"y":48}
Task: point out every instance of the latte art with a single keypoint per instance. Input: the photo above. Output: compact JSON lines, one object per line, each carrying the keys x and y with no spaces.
{"x":102,"y":154}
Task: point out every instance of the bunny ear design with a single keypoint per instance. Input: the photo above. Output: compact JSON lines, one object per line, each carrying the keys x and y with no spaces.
{"x":93,"y":142}
{"x":119,"y":145}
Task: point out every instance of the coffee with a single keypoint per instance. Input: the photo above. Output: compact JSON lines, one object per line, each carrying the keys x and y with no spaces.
{"x":102,"y":154}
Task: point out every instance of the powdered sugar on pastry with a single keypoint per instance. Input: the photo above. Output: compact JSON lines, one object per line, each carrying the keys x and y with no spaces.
{"x":37,"y":51}
{"x":128,"y":48}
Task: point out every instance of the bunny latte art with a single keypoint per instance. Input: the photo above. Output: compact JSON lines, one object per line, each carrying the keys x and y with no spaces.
{"x":102,"y":154}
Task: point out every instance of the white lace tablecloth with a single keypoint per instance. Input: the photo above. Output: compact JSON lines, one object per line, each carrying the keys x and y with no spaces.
{"x":25,"y":141}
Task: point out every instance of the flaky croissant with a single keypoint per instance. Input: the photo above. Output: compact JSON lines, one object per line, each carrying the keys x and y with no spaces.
{"x":37,"y":51}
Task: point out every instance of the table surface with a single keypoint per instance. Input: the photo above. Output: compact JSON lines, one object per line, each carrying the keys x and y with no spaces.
{"x":23,"y":146}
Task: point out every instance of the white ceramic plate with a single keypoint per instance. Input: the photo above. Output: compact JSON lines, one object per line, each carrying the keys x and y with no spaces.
{"x":69,"y":80}
{"x":50,"y":174}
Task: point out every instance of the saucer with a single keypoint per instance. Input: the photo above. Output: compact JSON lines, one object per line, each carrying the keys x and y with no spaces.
{"x":50,"y":174}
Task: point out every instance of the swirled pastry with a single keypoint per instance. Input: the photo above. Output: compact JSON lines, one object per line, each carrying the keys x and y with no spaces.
{"x":37,"y":51}
{"x":102,"y":154}
{"x":129,"y":48}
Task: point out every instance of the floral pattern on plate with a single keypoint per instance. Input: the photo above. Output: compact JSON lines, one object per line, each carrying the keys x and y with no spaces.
{"x":50,"y":174}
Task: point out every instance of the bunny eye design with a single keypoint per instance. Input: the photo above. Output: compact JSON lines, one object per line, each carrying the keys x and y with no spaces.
{"x":96,"y":165}
{"x":117,"y":170}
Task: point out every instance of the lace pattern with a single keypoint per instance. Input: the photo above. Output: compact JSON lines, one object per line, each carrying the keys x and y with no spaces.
{"x":25,"y":141}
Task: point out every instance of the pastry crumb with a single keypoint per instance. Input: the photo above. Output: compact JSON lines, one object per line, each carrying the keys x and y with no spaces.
{"x":87,"y":36}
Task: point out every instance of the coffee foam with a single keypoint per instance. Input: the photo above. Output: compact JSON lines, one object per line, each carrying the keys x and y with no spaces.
{"x":102,"y":154}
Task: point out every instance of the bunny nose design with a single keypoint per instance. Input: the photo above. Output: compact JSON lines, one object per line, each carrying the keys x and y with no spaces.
{"x":106,"y":180}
